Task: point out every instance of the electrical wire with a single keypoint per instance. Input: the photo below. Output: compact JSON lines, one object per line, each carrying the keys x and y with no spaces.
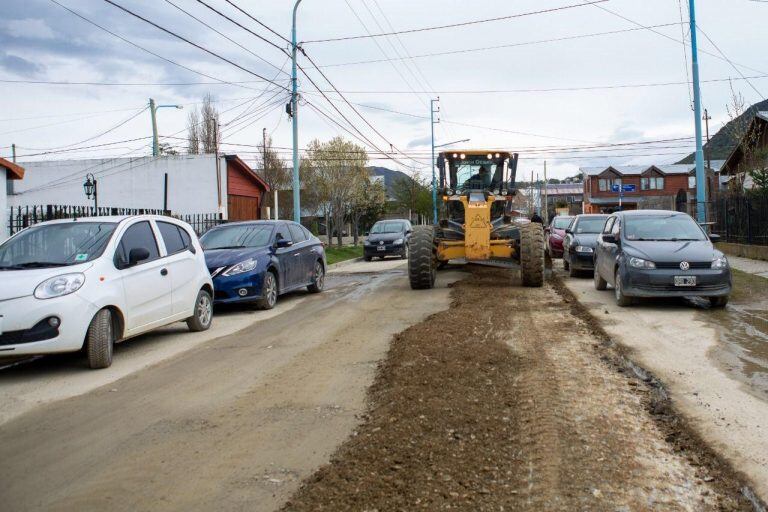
{"x":730,"y":62}
{"x":199,"y":47}
{"x":685,"y":55}
{"x":259,"y":36}
{"x":455,"y":25}
{"x":230,"y":2}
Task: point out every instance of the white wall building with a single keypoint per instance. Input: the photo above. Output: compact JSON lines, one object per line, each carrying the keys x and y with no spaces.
{"x":9,"y":173}
{"x":195,"y":185}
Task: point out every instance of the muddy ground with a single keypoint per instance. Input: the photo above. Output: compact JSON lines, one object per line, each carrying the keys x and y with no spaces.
{"x":510,"y":400}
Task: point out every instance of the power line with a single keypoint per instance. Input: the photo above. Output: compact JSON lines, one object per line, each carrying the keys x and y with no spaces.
{"x":503,"y":46}
{"x":685,"y":54}
{"x":223,"y":34}
{"x":259,"y":36}
{"x":454,"y":25}
{"x":257,"y":21}
{"x":730,"y":62}
{"x":199,"y":47}
{"x":136,"y":45}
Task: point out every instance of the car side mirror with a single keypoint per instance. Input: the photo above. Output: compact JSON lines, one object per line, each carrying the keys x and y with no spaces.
{"x":137,"y":255}
{"x":283,"y":243}
{"x":714,"y":237}
{"x":568,"y":231}
{"x":366,"y":234}
{"x":408,"y":232}
{"x":610,"y":238}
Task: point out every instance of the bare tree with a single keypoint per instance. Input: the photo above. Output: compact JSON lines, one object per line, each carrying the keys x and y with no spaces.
{"x":193,"y":132}
{"x":210,"y":135}
{"x":273,"y":169}
{"x":750,"y":139}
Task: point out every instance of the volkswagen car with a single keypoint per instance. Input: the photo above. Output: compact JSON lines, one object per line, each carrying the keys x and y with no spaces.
{"x":652,"y":253}
{"x":257,"y":261}
{"x":579,"y":243}
{"x":388,"y":238}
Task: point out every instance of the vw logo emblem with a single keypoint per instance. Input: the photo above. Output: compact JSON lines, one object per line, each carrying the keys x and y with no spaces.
{"x":381,"y":242}
{"x":685,"y":265}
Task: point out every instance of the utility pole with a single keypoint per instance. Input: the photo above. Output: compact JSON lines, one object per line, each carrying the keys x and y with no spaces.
{"x":153,"y":112}
{"x":295,"y":116}
{"x":546,"y":196}
{"x":13,"y":152}
{"x":218,"y":165}
{"x":432,"y":113}
{"x":707,"y":119}
{"x":701,"y":189}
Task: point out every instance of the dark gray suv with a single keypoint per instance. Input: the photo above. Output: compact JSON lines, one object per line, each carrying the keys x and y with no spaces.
{"x":656,"y":253}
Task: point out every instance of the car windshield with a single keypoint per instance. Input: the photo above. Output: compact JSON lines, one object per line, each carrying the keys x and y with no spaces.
{"x":387,"y":227}
{"x":561,"y":222}
{"x":237,"y":237}
{"x":589,"y":225}
{"x":662,"y":227}
{"x":56,"y":245}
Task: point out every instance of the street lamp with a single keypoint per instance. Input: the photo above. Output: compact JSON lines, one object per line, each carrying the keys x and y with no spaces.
{"x":91,"y":188}
{"x":153,"y":110}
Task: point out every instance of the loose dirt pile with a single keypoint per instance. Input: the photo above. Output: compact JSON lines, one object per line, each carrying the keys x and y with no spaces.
{"x":504,"y":402}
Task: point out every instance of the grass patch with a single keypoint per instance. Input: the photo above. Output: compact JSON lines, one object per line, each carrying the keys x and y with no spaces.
{"x":337,"y":254}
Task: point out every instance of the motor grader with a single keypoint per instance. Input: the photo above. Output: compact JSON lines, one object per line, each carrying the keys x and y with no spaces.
{"x":476,"y":220}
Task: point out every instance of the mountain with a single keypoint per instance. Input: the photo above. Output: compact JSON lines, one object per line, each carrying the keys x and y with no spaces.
{"x":390,"y":177}
{"x":722,"y":143}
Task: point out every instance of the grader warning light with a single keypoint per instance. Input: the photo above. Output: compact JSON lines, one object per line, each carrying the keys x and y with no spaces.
{"x":476,"y":224}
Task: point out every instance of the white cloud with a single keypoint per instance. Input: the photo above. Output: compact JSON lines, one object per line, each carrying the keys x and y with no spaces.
{"x":28,"y":28}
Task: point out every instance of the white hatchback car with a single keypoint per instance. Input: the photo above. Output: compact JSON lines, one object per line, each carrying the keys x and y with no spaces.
{"x":87,"y":283}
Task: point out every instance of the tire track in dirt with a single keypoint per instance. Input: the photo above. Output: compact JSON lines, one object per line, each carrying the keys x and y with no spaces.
{"x":503,"y":403}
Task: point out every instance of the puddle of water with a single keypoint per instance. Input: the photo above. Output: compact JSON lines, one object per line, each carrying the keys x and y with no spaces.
{"x":743,"y":328}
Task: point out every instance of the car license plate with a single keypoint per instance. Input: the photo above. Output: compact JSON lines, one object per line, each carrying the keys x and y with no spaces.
{"x":381,"y":248}
{"x":685,"y":280}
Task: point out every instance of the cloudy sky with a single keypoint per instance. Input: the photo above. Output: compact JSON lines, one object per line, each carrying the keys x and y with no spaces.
{"x":546,"y":84}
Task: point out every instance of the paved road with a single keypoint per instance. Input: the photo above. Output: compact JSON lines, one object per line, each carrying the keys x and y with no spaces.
{"x":232,"y":423}
{"x":690,"y":349}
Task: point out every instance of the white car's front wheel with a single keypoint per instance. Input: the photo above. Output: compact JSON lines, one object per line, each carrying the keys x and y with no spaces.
{"x":99,"y":341}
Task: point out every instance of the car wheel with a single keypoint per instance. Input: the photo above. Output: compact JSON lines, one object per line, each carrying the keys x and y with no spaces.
{"x":100,"y":340}
{"x":572,"y":272}
{"x":718,"y":302}
{"x":600,"y":283}
{"x":318,"y":279}
{"x":621,"y":299}
{"x":202,"y":315}
{"x":268,"y":292}
{"x":367,"y":258}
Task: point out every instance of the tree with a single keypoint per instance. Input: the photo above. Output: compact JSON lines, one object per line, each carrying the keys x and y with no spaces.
{"x":273,"y":170}
{"x":413,"y":193}
{"x":166,"y":149}
{"x":203,"y":134}
{"x":337,"y":169}
{"x":368,"y":201}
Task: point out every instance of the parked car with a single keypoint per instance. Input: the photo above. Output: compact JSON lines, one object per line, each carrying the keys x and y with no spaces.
{"x":579,"y":242}
{"x":651,"y":253}
{"x":258,"y":261}
{"x":388,"y":238}
{"x":89,"y":283}
{"x":555,"y":233}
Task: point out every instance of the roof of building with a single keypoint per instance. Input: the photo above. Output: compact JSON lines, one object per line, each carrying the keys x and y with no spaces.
{"x":636,"y":170}
{"x":15,"y":172}
{"x":245,"y":168}
{"x":565,"y":189}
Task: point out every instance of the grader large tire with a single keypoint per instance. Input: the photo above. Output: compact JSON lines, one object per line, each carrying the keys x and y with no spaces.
{"x":532,"y":254}
{"x":421,"y":258}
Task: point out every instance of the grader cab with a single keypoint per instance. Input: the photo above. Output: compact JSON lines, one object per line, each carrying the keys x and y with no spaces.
{"x":476,"y":222}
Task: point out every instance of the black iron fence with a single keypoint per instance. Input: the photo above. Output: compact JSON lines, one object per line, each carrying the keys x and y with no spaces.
{"x":21,"y":217}
{"x":740,"y":218}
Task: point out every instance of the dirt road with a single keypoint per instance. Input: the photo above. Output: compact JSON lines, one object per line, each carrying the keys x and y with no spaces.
{"x":232,"y":424}
{"x":510,"y":401}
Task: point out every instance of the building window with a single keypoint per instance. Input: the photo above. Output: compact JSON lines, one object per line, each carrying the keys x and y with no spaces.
{"x":606,"y":185}
{"x":691,"y":181}
{"x":652,"y":183}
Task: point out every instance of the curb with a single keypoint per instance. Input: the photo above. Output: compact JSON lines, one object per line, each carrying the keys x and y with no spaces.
{"x":344,"y":263}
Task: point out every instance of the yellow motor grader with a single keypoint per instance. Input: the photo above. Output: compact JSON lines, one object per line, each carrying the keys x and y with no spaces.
{"x":477,"y":222}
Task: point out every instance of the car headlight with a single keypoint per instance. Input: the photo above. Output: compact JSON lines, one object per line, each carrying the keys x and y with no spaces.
{"x":584,"y":248}
{"x":641,"y":263}
{"x":243,"y":266}
{"x":720,"y":263}
{"x":59,"y":286}
{"x":399,"y":241}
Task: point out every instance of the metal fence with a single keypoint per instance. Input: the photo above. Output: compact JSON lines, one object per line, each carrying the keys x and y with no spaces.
{"x":21,"y":217}
{"x":740,"y":218}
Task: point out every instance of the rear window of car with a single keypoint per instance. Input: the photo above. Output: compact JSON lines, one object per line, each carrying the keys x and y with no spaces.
{"x":561,"y":222}
{"x":297,"y":233}
{"x":173,"y":238}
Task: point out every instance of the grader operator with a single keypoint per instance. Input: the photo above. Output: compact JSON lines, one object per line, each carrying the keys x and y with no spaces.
{"x":476,"y":224}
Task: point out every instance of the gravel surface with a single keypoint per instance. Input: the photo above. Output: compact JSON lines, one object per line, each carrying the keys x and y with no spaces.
{"x":511,"y":401}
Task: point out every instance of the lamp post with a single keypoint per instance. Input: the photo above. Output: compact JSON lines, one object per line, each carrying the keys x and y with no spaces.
{"x":153,"y":110}
{"x":91,"y":188}
{"x":295,"y":116}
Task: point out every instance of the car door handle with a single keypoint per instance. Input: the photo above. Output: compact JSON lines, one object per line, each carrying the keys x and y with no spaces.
{"x":164,"y":272}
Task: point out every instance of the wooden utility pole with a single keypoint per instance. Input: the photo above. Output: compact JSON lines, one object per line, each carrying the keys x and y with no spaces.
{"x":546,"y":196}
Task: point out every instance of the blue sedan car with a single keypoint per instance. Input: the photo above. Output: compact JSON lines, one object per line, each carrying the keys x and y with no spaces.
{"x":257,"y":261}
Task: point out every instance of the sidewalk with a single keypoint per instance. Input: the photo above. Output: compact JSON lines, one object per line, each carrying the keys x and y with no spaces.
{"x":750,"y":266}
